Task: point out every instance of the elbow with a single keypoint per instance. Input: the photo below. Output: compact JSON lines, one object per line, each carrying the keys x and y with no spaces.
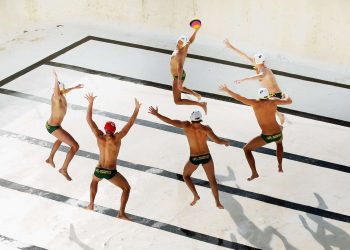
{"x":217,"y":141}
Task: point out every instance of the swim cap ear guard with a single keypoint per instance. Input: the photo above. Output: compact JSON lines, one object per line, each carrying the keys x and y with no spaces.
{"x":259,"y":58}
{"x":263,"y":93}
{"x":110,"y":127}
{"x":196,"y":116}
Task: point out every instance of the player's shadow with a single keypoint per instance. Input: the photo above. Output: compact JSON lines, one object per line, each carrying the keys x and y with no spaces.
{"x":73,"y":237}
{"x":230,"y":176}
{"x":326,"y":234}
{"x":246,"y":227}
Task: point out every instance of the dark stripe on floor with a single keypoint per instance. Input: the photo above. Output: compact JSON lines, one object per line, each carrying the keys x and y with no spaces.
{"x":220,"y":61}
{"x":175,"y":176}
{"x":41,"y":62}
{"x":204,"y":94}
{"x":113,"y":213}
{"x":171,"y":129}
{"x":19,"y":245}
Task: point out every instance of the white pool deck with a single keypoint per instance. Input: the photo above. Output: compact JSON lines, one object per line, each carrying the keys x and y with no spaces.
{"x":306,"y":207}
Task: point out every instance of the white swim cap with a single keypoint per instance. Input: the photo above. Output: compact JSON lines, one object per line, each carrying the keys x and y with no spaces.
{"x":183,"y":39}
{"x":259,"y":58}
{"x":196,"y":116}
{"x":263,"y":93}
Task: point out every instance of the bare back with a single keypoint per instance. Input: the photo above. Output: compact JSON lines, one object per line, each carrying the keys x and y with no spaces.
{"x":269,"y":81}
{"x":58,"y":109}
{"x":109,"y":146}
{"x":197,"y":136}
{"x":177,"y":58}
{"x":265,"y":112}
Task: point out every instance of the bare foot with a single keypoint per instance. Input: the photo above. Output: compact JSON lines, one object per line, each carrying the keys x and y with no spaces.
{"x":254,"y":176}
{"x":280,"y":169}
{"x":90,"y":207}
{"x":204,"y":107}
{"x":50,"y":161}
{"x":198,"y":96}
{"x":220,"y":206}
{"x":123,"y":217}
{"x":195,"y":199}
{"x":65,"y":174}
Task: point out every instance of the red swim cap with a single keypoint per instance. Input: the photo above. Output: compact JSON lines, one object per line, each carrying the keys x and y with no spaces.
{"x":110,"y":126}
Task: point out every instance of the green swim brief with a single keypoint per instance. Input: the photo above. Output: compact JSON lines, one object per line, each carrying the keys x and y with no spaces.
{"x":277,"y":95}
{"x":51,"y":128}
{"x":103,"y":173}
{"x":272,"y":138}
{"x":183,"y":76}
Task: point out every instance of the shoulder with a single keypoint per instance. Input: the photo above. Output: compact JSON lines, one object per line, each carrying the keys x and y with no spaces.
{"x":267,"y":70}
{"x":117,"y":137}
{"x":207,"y":128}
{"x":186,"y":124}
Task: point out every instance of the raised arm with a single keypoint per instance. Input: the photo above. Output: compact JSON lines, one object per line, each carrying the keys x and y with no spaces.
{"x":90,"y":97}
{"x":254,"y":77}
{"x":215,"y":138}
{"x":56,"y":90}
{"x":239,"y":52}
{"x":131,"y":121}
{"x":236,"y":96}
{"x":79,"y":86}
{"x":175,"y":123}
{"x":193,"y":36}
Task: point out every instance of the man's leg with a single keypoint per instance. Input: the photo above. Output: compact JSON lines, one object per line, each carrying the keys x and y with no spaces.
{"x":279,"y":154}
{"x":191,"y":92}
{"x":209,"y":171}
{"x":93,"y":191}
{"x":188,"y":170}
{"x":55,"y":146}
{"x":257,"y":142}
{"x":121,"y":182}
{"x":179,"y":101}
{"x":65,"y":137}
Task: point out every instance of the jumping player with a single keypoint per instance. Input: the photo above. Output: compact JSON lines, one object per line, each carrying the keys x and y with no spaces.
{"x":197,"y":136}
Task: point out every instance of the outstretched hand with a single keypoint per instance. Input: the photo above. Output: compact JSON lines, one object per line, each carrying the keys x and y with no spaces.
{"x":79,"y":86}
{"x":90,"y":97}
{"x":137,"y":104}
{"x":228,"y":44}
{"x":223,"y":87}
{"x":55,"y":75}
{"x":227,"y":143}
{"x":153,"y":111}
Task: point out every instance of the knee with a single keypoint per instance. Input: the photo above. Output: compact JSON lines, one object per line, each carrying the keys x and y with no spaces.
{"x":177,"y":101}
{"x":246,"y":148}
{"x":127,"y":188}
{"x":75,"y":147}
{"x":186,"y":176}
{"x":93,"y":186}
